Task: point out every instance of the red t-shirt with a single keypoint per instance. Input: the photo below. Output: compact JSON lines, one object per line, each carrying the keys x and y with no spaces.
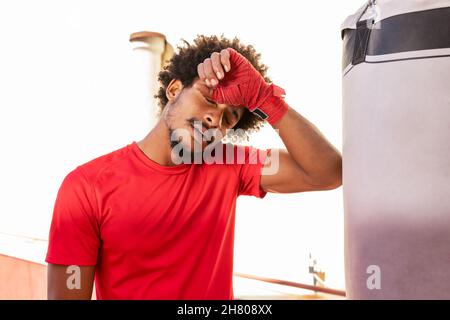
{"x":153,"y":231}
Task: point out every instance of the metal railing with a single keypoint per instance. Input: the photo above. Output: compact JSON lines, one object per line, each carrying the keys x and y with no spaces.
{"x":335,"y":292}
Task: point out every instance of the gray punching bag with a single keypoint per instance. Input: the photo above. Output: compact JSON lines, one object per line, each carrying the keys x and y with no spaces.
{"x":396,"y":150}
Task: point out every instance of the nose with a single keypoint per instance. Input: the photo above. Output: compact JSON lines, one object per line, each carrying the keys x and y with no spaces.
{"x":214,"y":117}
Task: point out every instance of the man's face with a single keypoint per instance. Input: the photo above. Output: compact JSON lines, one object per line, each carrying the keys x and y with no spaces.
{"x":192,"y":115}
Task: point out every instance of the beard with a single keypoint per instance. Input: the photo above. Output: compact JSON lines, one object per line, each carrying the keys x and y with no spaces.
{"x":193,"y":150}
{"x":187,"y":153}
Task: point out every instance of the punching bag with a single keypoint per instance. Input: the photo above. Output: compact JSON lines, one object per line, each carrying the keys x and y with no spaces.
{"x":396,"y":150}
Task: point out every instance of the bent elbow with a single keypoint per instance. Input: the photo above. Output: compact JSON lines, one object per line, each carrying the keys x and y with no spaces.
{"x":332,"y":179}
{"x":336,"y":183}
{"x":336,"y":175}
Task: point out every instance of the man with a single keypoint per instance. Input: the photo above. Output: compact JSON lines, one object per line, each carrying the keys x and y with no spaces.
{"x":150,"y":226}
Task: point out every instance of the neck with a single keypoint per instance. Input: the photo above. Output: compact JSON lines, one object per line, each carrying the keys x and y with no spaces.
{"x":156,"y":145}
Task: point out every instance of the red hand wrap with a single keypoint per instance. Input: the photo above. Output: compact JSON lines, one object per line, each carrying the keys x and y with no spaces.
{"x":244,"y":86}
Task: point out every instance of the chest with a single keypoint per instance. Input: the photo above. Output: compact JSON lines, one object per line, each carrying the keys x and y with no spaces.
{"x":158,"y":209}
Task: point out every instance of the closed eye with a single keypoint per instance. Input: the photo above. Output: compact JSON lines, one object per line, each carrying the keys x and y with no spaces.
{"x":210,"y":101}
{"x":236,"y":115}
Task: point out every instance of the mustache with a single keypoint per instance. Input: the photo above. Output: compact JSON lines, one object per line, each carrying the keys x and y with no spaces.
{"x":203,"y":128}
{"x":194,"y":121}
{"x":211,"y":135}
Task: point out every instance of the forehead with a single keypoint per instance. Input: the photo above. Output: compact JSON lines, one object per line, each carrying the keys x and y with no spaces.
{"x":202,"y":90}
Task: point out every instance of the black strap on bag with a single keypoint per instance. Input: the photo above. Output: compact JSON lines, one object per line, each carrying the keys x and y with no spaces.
{"x":362,"y":36}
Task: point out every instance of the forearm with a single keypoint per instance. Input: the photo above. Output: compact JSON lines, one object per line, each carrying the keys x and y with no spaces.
{"x":313,"y":153}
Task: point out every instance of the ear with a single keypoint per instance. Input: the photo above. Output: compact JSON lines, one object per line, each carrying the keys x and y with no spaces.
{"x":173,"y":89}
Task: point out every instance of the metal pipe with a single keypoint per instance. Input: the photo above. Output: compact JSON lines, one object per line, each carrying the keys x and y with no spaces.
{"x":293,"y":284}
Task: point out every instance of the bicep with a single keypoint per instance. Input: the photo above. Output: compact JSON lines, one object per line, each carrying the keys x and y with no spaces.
{"x":69,"y":282}
{"x":281,"y":174}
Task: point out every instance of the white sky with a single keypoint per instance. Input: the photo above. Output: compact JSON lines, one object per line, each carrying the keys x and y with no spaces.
{"x":68,"y":95}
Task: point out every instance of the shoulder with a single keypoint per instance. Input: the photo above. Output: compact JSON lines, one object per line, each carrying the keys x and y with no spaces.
{"x":90,"y":171}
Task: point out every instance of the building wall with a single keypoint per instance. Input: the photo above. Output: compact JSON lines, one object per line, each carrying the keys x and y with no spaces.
{"x":20,"y":279}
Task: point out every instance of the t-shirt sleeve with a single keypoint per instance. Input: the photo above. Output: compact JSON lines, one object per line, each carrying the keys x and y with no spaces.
{"x":250,"y":171}
{"x":74,"y":232}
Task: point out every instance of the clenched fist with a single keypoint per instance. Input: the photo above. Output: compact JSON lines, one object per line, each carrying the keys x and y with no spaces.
{"x":235,"y":81}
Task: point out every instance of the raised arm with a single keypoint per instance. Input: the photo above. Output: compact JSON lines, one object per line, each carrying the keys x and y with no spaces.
{"x":310,"y":161}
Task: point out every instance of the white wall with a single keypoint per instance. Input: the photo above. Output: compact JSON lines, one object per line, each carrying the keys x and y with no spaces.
{"x":68,"y":94}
